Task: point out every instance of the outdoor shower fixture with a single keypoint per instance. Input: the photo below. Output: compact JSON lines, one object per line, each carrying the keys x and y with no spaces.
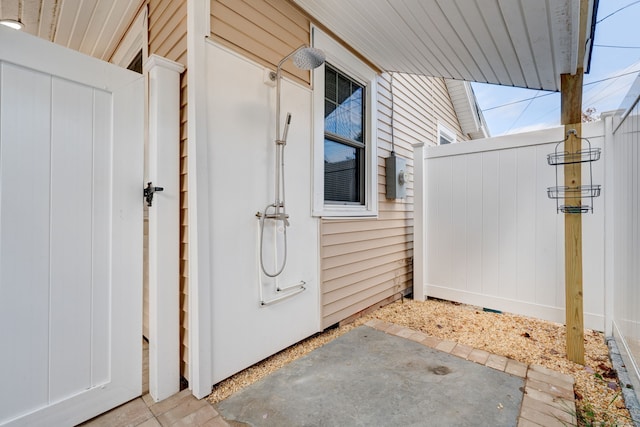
{"x":305,"y":58}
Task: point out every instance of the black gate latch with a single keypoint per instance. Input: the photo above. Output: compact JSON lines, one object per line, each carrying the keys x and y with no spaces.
{"x":148,"y":193}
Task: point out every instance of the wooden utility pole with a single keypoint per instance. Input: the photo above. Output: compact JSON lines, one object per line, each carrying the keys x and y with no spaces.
{"x":571,"y":88}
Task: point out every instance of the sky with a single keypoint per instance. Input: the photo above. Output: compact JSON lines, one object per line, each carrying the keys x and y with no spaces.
{"x":504,"y":114}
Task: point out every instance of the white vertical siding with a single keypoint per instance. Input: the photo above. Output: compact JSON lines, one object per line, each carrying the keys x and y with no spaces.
{"x":493,"y":237}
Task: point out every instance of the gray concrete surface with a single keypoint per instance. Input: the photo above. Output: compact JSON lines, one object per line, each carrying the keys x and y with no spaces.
{"x":369,"y":378}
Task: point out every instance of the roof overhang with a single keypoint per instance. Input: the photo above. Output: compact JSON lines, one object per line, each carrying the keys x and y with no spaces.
{"x":523,"y":43}
{"x":91,"y":27}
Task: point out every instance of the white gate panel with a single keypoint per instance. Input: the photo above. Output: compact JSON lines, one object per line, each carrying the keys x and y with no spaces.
{"x":24,"y":242}
{"x":70,"y":230}
{"x":70,"y":233}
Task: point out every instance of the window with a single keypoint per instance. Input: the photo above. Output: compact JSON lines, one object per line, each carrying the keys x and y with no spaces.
{"x":445,"y":135}
{"x":136,"y":63}
{"x":345,"y":151}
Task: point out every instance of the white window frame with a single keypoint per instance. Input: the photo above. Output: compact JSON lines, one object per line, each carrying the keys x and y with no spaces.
{"x":349,"y":64}
{"x":447,"y":133}
{"x":136,"y":39}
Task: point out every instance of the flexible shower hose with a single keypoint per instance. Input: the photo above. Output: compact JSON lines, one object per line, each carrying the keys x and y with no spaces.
{"x":279,"y":216}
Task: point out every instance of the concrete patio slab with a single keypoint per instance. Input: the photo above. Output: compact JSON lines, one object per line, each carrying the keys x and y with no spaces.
{"x":547,"y":398}
{"x":371,"y":378}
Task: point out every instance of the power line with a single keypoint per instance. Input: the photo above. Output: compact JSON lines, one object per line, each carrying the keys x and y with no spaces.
{"x":611,"y":78}
{"x":616,"y":47}
{"x":588,"y":97}
{"x":522,"y":112}
{"x":554,"y":93}
{"x":616,"y":11}
{"x":517,"y":102}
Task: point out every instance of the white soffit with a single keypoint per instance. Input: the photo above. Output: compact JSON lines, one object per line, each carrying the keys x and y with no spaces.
{"x":524,"y":43}
{"x":466,"y":107}
{"x":93,"y":27}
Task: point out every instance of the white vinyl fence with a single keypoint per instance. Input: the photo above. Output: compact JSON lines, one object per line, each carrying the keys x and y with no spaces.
{"x":487,"y":234}
{"x":625,"y":248}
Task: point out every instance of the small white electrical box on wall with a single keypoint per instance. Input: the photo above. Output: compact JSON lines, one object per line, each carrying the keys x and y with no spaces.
{"x":397,"y":177}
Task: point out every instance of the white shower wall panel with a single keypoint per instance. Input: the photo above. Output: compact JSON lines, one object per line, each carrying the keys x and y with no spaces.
{"x":241,"y":151}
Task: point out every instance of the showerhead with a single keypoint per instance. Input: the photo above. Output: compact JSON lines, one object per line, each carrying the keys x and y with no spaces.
{"x":308,"y":58}
{"x":304,"y":57}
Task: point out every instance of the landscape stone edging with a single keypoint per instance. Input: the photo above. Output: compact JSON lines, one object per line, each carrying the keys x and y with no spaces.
{"x":628,"y":394}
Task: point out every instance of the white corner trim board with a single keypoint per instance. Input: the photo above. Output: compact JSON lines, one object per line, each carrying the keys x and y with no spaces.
{"x":164,"y":227}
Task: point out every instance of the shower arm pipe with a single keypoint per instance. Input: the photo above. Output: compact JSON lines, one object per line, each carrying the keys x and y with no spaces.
{"x":280,"y":139}
{"x":277,"y":76}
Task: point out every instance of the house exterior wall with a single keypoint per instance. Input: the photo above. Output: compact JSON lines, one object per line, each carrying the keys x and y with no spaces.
{"x":264,"y":31}
{"x":364,"y":262}
{"x":168,"y":38}
{"x":369,"y":262}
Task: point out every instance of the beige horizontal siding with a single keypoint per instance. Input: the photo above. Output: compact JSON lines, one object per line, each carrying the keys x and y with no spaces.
{"x":265,"y":31}
{"x":376,"y":274}
{"x":369,"y":262}
{"x":340,"y":267}
{"x":168,"y":29}
{"x":168,"y":38}
{"x":184,"y":233}
{"x":447,"y":113}
{"x":364,"y":301}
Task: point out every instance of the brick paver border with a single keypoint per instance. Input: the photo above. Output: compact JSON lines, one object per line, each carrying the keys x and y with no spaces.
{"x":548,"y":395}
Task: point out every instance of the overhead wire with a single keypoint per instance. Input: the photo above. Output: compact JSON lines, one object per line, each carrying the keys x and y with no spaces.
{"x":522,"y":112}
{"x":538,"y":95}
{"x":618,"y":10}
{"x":616,"y":47}
{"x":495,"y":107}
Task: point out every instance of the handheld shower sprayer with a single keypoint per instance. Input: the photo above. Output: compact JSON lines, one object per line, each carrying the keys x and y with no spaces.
{"x":305,"y":58}
{"x":286,"y":129}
